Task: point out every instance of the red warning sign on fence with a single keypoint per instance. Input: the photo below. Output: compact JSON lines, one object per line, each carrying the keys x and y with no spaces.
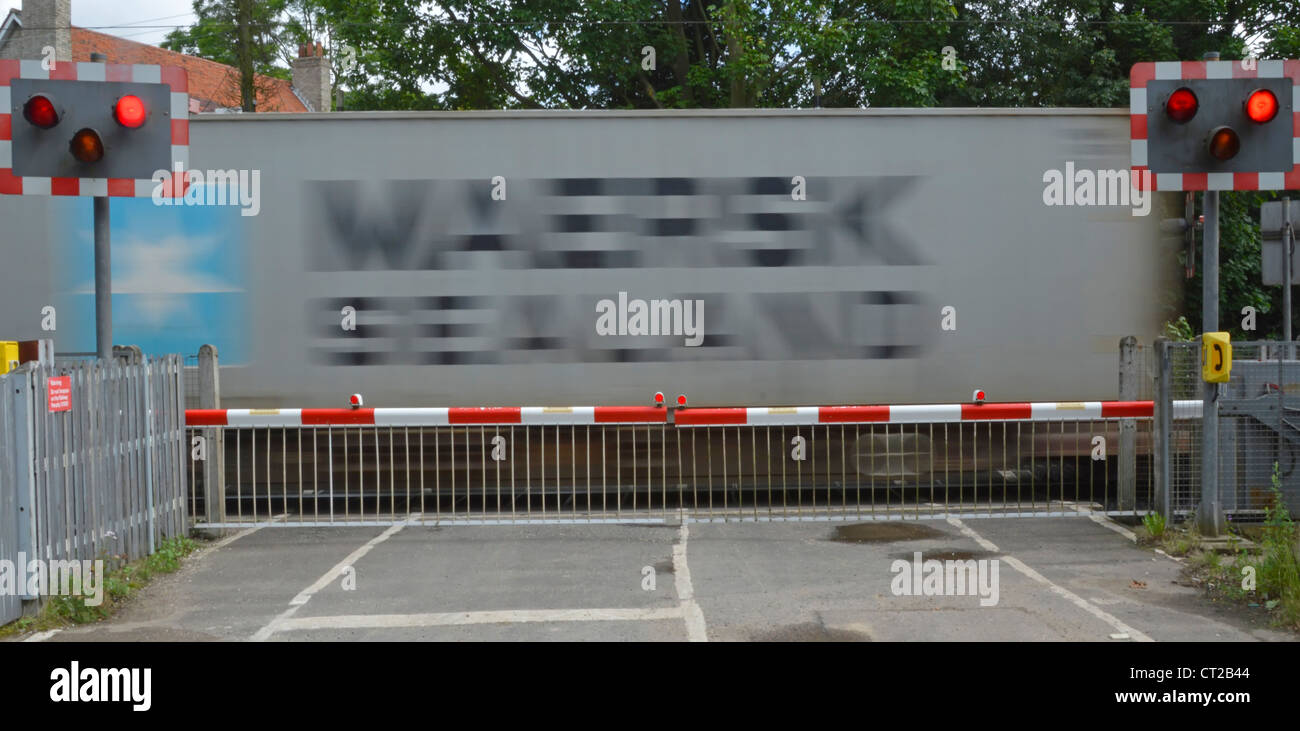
{"x":60,"y":391}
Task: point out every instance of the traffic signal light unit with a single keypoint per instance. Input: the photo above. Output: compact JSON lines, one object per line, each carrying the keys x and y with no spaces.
{"x":1216,"y":125}
{"x":91,"y":129}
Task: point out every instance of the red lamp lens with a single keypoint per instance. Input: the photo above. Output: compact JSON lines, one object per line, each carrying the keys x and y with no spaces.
{"x":1261,"y":106}
{"x":1182,"y":105}
{"x":40,"y":111}
{"x":86,"y":146}
{"x":129,"y":111}
{"x":1224,"y":143}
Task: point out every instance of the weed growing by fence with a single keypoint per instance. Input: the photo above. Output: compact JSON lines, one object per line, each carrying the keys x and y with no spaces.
{"x":120,"y":583}
{"x":1279,"y":564}
{"x":1155,"y":525}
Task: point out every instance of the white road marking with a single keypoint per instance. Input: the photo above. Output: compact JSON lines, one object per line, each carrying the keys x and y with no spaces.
{"x":1105,"y":521}
{"x":691,"y":612}
{"x":42,"y":636}
{"x":1073,"y":598}
{"x":305,"y":595}
{"x":450,"y":619}
{"x":231,"y":539}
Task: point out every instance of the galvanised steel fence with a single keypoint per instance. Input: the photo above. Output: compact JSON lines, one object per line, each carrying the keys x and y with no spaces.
{"x":313,"y":467}
{"x":99,"y":470}
{"x":1259,"y":427}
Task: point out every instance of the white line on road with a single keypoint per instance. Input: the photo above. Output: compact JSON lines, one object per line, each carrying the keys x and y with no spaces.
{"x":231,"y":539}
{"x":447,"y":619}
{"x":42,"y":636}
{"x":305,"y":595}
{"x":1075,"y":599}
{"x":1106,"y":522}
{"x":691,"y":612}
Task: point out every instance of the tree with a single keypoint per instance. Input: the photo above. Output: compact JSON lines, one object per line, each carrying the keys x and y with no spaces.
{"x":216,"y":34}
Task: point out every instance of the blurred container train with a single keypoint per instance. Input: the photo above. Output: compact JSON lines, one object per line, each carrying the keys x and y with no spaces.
{"x":754,"y":257}
{"x":742,"y":257}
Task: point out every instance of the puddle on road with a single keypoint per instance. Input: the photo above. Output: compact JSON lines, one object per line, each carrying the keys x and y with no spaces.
{"x":809,"y":632}
{"x":664,"y":567}
{"x":948,"y":554}
{"x":884,"y":532}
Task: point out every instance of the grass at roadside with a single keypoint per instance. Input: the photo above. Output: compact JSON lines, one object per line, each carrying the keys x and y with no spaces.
{"x":121,"y":582}
{"x":1266,"y":577}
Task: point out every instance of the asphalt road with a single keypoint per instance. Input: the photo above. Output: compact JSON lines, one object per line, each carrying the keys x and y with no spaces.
{"x":1074,"y":579}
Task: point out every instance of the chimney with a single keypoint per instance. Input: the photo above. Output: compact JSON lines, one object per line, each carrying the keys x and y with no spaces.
{"x":311,"y":77}
{"x":45,"y":24}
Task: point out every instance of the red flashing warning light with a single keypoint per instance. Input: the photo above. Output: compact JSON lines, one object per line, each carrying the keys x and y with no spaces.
{"x":40,"y":111}
{"x":86,"y":145}
{"x":1224,"y":143}
{"x":681,"y":400}
{"x":659,"y":397}
{"x":1261,"y":106}
{"x":1182,"y":105}
{"x":129,"y":111}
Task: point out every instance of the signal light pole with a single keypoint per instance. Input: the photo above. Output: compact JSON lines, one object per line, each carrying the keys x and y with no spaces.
{"x":103,"y":270}
{"x":1208,"y":513}
{"x":103,"y":282}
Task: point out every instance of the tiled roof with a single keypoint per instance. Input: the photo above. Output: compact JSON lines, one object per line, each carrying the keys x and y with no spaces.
{"x":212,"y":85}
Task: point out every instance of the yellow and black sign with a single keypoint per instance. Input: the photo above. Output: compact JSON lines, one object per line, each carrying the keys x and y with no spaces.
{"x":1216,"y":357}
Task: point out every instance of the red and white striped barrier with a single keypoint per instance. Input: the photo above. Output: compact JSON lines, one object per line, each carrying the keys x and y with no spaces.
{"x":752,"y":416}
{"x":931,"y":413}
{"x":490,"y":415}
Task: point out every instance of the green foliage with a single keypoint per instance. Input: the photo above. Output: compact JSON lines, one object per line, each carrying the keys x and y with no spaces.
{"x":1275,"y":566}
{"x":119,"y":584}
{"x":213,"y":36}
{"x":1240,"y":279}
{"x":1180,"y":330}
{"x":1279,"y":565}
{"x":473,"y":54}
{"x":1155,"y":525}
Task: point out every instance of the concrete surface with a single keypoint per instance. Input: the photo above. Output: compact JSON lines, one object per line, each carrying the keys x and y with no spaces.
{"x":1072,"y":579}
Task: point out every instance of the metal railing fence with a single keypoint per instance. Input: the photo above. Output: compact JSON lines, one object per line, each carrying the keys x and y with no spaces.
{"x":378,"y":466}
{"x":105,"y":476}
{"x":1257,"y":428}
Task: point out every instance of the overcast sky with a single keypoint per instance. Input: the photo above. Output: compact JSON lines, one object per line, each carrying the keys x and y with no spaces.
{"x":134,"y":19}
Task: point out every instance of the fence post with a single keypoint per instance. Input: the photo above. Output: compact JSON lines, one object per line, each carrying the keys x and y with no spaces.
{"x":214,"y":467}
{"x":145,"y":365}
{"x":1160,"y":428}
{"x":22,"y":458}
{"x":1128,"y":391}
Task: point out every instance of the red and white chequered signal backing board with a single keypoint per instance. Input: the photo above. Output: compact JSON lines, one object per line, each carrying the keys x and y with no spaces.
{"x":1174,"y":70}
{"x":173,"y":76}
